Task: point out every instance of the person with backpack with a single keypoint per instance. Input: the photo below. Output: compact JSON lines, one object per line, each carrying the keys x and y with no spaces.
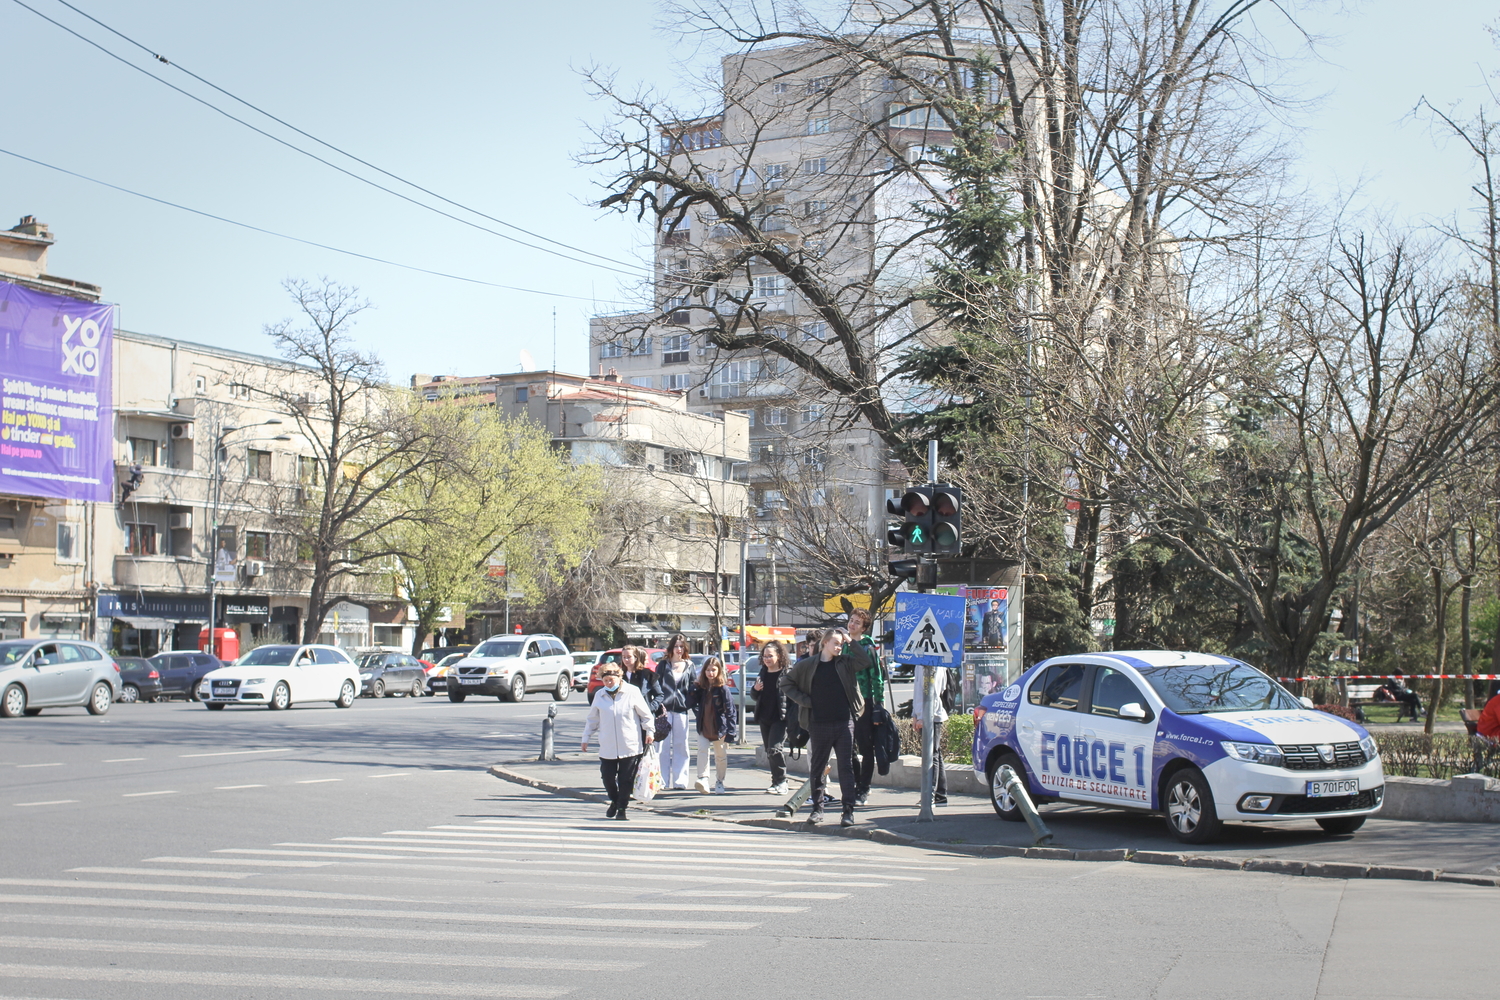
{"x":771,"y":712}
{"x":944,"y":701}
{"x":716,"y":719}
{"x":872,"y":686}
{"x":825,"y":685}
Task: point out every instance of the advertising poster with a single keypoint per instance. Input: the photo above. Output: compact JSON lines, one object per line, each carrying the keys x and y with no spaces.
{"x":986,"y":639}
{"x":226,"y":553}
{"x":56,"y":414}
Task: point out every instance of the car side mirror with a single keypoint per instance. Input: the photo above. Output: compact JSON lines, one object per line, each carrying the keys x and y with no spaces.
{"x":1132,"y":711}
{"x":1307,"y":702}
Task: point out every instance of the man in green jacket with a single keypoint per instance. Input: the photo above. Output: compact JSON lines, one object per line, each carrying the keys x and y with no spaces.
{"x":872,"y":686}
{"x":826,"y":685}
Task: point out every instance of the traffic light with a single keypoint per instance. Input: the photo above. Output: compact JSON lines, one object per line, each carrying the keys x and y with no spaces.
{"x":947,"y":516}
{"x":902,"y":568}
{"x":914,"y":535}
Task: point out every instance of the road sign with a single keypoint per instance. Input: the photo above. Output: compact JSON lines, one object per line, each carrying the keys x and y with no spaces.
{"x":929,"y":629}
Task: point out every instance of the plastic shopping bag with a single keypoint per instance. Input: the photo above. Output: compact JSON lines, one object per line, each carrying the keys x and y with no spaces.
{"x":648,"y":780}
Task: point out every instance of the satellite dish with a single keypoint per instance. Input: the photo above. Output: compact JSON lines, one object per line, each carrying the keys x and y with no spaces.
{"x":527,"y":364}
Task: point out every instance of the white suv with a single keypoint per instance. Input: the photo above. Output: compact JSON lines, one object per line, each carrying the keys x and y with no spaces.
{"x":510,"y":666}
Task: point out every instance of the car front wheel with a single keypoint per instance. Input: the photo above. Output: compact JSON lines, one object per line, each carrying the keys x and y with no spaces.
{"x":1006,"y":806}
{"x":280,"y":698}
{"x":13,"y":703}
{"x":213,"y":706}
{"x":377,"y":688}
{"x":1190,"y":807}
{"x":100,"y":699}
{"x":347,"y":695}
{"x":456,"y":696}
{"x":517,"y":688}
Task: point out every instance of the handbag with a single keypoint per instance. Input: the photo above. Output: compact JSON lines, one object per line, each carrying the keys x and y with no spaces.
{"x":663,"y":727}
{"x":648,"y":779}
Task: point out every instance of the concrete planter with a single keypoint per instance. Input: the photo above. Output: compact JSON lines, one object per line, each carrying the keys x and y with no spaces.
{"x":1467,"y":798}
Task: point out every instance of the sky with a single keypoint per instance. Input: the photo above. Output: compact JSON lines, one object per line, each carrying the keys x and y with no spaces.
{"x":484,"y":103}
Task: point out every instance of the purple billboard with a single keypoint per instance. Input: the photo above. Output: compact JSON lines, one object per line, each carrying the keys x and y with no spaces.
{"x":56,"y":415}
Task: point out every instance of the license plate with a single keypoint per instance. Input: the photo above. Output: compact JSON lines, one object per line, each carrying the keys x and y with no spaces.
{"x":471,"y":680}
{"x":1327,"y":789}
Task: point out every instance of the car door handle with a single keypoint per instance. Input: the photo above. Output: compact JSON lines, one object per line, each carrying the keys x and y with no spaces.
{"x":1090,"y":734}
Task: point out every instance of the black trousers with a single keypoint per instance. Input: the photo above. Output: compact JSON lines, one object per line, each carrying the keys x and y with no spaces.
{"x":864,"y":742}
{"x":837,"y":738}
{"x":619,"y":778}
{"x":773,"y":738}
{"x":940,"y":770}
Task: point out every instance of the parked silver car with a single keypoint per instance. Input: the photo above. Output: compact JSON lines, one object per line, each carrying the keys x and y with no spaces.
{"x":50,"y":673}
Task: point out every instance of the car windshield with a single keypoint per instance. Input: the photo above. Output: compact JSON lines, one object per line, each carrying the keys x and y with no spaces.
{"x":499,"y":647}
{"x":367,"y":660}
{"x":268,"y":656}
{"x":10,"y":652}
{"x":1195,"y":688}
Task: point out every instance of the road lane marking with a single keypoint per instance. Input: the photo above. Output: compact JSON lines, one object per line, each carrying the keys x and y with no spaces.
{"x":317,"y":781}
{"x":53,"y":802}
{"x":136,"y":795}
{"x":177,"y":872}
{"x":385,"y":915}
{"x":241,"y":950}
{"x":121,"y":760}
{"x":241,"y":982}
{"x":393,"y":774}
{"x":230,"y":788}
{"x":321,"y":725}
{"x":665,"y":907}
{"x":812,"y":895}
{"x":239,"y":861}
{"x":239,"y":927}
{"x":235,"y":753}
{"x":57,"y":764}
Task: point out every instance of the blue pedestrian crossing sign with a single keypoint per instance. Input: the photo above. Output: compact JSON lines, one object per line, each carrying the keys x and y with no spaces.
{"x":929,"y":629}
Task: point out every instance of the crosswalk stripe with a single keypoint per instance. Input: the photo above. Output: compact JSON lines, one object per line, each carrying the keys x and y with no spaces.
{"x":240,"y":982}
{"x":202,"y":890}
{"x":509,"y":849}
{"x":698,"y":830}
{"x":664,"y":907}
{"x":582,"y":923}
{"x":642,"y":941}
{"x":244,"y":861}
{"x":711,"y":846}
{"x":177,"y":872}
{"x":281,"y":953}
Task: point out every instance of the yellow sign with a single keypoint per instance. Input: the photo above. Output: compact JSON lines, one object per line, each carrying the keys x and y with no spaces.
{"x":837,"y":604}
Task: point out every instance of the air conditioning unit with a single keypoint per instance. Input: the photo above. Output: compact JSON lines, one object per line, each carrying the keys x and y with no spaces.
{"x":703,"y":392}
{"x":183,"y":520}
{"x":255,"y":568}
{"x":182,"y":432}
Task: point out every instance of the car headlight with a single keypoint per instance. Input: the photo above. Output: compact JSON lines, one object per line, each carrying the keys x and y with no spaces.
{"x":1255,"y":753}
{"x":255,"y":680}
{"x":498,"y":671}
{"x":1368,"y":746}
{"x":365,"y":676}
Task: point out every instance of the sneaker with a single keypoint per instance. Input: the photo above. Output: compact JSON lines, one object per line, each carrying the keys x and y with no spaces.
{"x":815,"y":818}
{"x":700,"y":786}
{"x":940,"y":800}
{"x":782,"y":789}
{"x":719,"y":788}
{"x":621,"y":816}
{"x":848,"y":818}
{"x":861,"y":798}
{"x":773,"y":789}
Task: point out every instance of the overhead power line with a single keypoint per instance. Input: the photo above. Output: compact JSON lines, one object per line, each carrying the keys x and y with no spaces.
{"x":638,"y":270}
{"x":298,"y":239}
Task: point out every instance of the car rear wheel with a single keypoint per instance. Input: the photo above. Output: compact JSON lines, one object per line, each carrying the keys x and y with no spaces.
{"x":517,"y":688}
{"x":377,"y":688}
{"x":456,"y":696}
{"x":1190,"y":807}
{"x":131,"y":694}
{"x":280,"y":698}
{"x":347,"y":694}
{"x":100,"y":699}
{"x":213,"y":707}
{"x":564,"y":687}
{"x":1006,"y":806}
{"x":13,"y":703}
{"x":1337,"y":826}
{"x":416,"y":688}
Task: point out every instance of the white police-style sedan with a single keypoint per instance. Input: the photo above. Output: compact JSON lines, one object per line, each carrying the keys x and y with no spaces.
{"x":1200,"y":738}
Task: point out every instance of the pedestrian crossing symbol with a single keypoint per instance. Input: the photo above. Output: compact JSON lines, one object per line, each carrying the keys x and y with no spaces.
{"x":926,"y":640}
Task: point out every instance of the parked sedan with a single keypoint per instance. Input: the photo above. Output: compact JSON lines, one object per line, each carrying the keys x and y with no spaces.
{"x":44,"y":673}
{"x":387,"y":675}
{"x":276,"y":675}
{"x":139,"y":679}
{"x":182,"y":670}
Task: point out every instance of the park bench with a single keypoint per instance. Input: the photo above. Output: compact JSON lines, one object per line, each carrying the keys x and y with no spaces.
{"x":1361,"y":694}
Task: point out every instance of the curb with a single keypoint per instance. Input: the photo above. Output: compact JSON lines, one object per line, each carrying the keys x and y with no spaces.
{"x":1275,"y":866}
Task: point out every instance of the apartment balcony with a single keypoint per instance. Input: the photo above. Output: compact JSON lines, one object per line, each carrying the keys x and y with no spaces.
{"x":169,"y":573}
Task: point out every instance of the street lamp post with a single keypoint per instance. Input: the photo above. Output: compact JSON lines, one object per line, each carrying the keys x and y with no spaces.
{"x":217,"y":484}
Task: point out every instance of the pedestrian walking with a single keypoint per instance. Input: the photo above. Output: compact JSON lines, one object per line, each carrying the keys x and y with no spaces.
{"x":716,"y":720}
{"x":622,"y":720}
{"x":939,"y":718}
{"x":674,"y":679}
{"x":872,"y":686}
{"x":826,"y":687}
{"x":770,"y":712}
{"x":638,"y":670}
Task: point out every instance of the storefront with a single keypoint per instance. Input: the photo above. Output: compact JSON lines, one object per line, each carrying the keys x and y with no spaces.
{"x":144,"y":624}
{"x":347,"y":625}
{"x":250,"y":617}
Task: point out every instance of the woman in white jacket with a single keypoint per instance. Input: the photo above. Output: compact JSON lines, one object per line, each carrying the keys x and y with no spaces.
{"x":623,"y":721}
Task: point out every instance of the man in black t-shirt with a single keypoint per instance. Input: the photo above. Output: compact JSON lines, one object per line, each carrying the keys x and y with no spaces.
{"x":826,"y":685}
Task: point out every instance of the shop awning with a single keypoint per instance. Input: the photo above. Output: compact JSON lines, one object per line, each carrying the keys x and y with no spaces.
{"x":63,"y":616}
{"x":641,"y":630}
{"x":159,"y":624}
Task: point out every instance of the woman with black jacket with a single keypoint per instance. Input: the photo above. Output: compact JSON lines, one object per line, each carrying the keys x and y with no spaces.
{"x":674,"y":679}
{"x":770,"y":712}
{"x":638,"y":671}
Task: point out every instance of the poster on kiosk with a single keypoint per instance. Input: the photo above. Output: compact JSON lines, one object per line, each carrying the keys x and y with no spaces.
{"x":56,"y":415}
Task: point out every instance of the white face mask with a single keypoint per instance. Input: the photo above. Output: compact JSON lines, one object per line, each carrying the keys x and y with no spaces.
{"x":612,"y":685}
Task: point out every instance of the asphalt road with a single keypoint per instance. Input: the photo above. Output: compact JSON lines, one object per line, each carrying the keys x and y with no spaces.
{"x":167,"y":852}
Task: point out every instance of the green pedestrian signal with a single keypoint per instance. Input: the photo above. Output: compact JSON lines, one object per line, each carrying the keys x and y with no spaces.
{"x":913,"y":536}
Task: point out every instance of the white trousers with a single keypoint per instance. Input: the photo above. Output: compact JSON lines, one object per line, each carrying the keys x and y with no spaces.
{"x":721,"y":757}
{"x":674,"y":752}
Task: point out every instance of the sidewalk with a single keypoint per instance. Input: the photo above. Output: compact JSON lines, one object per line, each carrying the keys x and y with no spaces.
{"x":968,"y":824}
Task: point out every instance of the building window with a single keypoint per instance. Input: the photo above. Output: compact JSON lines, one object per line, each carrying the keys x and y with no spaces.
{"x":742,"y":176}
{"x":200,"y":385}
{"x":726,"y":380}
{"x":812,"y":413}
{"x":681,"y":462}
{"x":257,"y":545}
{"x":143,"y":450}
{"x":680,"y":382}
{"x":815,"y":208}
{"x":769,"y":286}
{"x":818,"y":165}
{"x":774,"y":500}
{"x":775,"y":416}
{"x":140,"y":539}
{"x":641,"y":381}
{"x":818,"y":497}
{"x":675,"y":347}
{"x":257,"y":464}
{"x":239,"y":390}
{"x":523,"y":393}
{"x":780,"y":87}
{"x":641,"y":347}
{"x":613,"y":349}
{"x":819,"y":126}
{"x":775,"y":175}
{"x":815,"y":331}
{"x":67,"y":541}
{"x":922,"y":118}
{"x":815,"y":456}
{"x":820,"y":85}
{"x":773,"y":222}
{"x":309,"y":471}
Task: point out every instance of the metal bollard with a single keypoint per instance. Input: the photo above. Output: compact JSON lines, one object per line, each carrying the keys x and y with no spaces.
{"x":1017,"y":789}
{"x":548,"y":725}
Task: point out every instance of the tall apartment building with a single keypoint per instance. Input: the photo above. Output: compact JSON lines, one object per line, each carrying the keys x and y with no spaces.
{"x":829,"y":161}
{"x":672,"y":556}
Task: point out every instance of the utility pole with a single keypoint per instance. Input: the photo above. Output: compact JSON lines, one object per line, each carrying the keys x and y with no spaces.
{"x":926,"y":582}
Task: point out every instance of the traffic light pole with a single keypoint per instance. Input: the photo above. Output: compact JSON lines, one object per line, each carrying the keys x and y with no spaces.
{"x":926,"y":581}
